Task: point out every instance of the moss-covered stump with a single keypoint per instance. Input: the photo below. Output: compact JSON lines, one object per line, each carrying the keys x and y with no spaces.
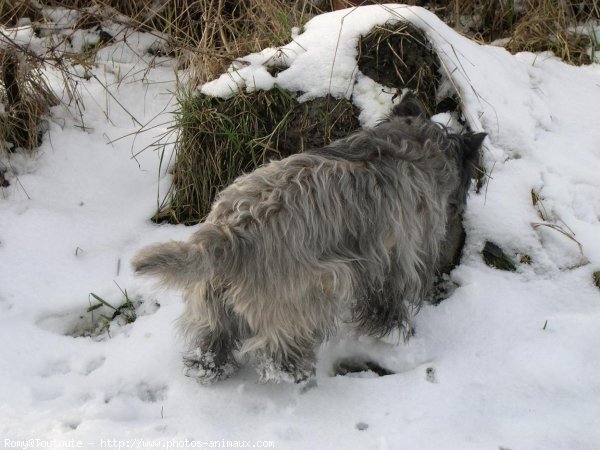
{"x":223,"y":138}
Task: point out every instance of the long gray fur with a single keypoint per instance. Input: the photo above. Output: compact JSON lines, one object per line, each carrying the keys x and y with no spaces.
{"x":352,"y":231}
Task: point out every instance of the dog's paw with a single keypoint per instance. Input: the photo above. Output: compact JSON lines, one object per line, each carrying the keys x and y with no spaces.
{"x":205,"y":369}
{"x":270,"y":371}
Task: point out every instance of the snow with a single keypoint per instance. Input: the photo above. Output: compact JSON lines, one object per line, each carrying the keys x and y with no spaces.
{"x":509,"y":361}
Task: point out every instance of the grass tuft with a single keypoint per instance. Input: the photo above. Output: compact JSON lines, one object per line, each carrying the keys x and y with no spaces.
{"x":26,"y":97}
{"x":124,"y":314}
{"x":221,"y":139}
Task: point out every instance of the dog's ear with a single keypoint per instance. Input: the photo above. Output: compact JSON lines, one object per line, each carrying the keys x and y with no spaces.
{"x":409,"y":106}
{"x":471,"y":145}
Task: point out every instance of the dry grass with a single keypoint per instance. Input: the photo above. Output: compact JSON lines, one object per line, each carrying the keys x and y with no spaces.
{"x":551,"y":25}
{"x":13,"y":10}
{"x":232,"y":28}
{"x":26,"y":98}
{"x":484,"y":20}
{"x":210,"y":32}
{"x":527,"y":25}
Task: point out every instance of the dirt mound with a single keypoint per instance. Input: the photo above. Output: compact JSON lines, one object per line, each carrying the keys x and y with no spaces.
{"x":400,"y":56}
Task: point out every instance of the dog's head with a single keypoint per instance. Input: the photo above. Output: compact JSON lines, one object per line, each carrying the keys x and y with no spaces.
{"x":464,"y":147}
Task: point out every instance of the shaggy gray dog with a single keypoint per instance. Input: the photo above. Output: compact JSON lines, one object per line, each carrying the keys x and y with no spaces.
{"x":353,"y":231}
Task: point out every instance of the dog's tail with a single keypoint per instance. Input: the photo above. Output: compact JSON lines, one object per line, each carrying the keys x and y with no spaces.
{"x":178,"y":264}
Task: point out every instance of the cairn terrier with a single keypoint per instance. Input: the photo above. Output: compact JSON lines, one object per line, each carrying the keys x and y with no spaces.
{"x":353,"y":231}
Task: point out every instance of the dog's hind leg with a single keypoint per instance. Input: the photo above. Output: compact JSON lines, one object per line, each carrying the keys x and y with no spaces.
{"x":286,"y":331}
{"x":212,"y":332}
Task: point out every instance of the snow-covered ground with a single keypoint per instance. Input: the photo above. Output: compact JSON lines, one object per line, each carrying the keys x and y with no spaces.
{"x":510,"y":360}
